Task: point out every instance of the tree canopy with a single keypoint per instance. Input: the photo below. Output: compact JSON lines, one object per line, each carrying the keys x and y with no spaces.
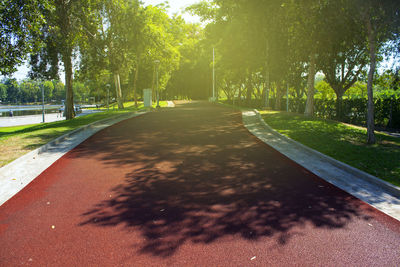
{"x":265,"y":50}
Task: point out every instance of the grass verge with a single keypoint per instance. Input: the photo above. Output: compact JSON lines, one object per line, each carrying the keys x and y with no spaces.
{"x":19,"y":140}
{"x":342,"y":142}
{"x":129,"y":105}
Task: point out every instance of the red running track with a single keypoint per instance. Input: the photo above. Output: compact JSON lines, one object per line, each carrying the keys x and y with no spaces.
{"x":188,"y":186}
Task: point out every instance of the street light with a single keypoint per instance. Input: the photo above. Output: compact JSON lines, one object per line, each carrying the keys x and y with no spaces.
{"x":213,"y":73}
{"x":157,"y":62}
{"x":41,"y":86}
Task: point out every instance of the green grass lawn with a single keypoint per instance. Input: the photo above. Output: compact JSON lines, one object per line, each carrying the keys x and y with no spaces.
{"x":343,"y":142}
{"x":19,"y":140}
{"x":130,"y":105}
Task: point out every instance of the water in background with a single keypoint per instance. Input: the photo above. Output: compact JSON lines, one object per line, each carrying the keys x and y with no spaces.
{"x":27,"y":110}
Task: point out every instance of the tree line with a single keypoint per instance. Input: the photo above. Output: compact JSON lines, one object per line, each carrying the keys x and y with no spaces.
{"x":103,"y":44}
{"x":30,"y":91}
{"x":262,"y":48}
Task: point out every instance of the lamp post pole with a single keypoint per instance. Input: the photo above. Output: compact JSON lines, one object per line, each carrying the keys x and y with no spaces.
{"x":157,"y":62}
{"x":108,"y":97}
{"x":42,"y":101}
{"x":213,"y":74}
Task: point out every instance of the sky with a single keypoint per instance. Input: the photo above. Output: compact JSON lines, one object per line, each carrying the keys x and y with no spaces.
{"x":176,"y":7}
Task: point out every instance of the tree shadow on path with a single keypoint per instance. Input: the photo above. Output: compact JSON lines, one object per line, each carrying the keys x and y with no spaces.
{"x":190,"y":178}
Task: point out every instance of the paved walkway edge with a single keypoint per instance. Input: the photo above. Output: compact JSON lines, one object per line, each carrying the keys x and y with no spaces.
{"x":170,"y":104}
{"x":377,"y":193}
{"x":395,"y":190}
{"x":20,"y":172}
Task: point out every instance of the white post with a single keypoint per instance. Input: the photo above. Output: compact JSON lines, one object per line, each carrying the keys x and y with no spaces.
{"x":213,"y":75}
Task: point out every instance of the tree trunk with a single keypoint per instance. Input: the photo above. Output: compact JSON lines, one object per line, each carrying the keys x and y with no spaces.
{"x":249,"y":91}
{"x":267,"y":83}
{"x":390,"y":122}
{"x":135,"y":83}
{"x":370,"y":113}
{"x":118,"y":91}
{"x":278,"y":96}
{"x":339,"y":105}
{"x":263,"y":95}
{"x":266,"y":91}
{"x":310,"y":85}
{"x":240,"y":94}
{"x":153,"y":95}
{"x":69,"y":93}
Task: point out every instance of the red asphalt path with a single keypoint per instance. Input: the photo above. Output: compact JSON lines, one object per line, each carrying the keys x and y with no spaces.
{"x":188,"y":186}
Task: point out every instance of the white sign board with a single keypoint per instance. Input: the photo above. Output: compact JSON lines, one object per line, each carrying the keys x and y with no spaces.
{"x":147,"y":98}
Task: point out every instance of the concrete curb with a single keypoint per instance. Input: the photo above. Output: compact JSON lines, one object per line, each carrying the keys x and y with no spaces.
{"x":171,"y":104}
{"x":395,"y":190}
{"x":62,"y":138}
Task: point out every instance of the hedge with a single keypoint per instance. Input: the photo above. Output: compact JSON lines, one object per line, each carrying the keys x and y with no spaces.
{"x":354,"y":110}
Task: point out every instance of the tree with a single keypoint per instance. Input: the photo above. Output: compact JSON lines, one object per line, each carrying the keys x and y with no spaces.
{"x":344,"y":55}
{"x":381,"y":24}
{"x":3,"y":92}
{"x":67,"y":30}
{"x":59,"y":90}
{"x":342,"y":69}
{"x":66,"y":21}
{"x":20,"y":22}
{"x":29,"y":90}
{"x":48,"y":89}
{"x":116,"y":39}
{"x":13,"y":92}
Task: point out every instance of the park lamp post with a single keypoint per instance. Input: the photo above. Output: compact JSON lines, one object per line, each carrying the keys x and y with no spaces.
{"x":42,"y":87}
{"x":213,"y":78}
{"x":157,"y":62}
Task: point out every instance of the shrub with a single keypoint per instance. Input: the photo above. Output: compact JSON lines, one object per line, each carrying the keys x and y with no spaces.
{"x":387,"y":110}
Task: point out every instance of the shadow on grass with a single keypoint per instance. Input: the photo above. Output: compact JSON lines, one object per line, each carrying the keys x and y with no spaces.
{"x":196,"y":175}
{"x":53,"y":130}
{"x":343,"y":142}
{"x":42,"y":134}
{"x":67,"y":125}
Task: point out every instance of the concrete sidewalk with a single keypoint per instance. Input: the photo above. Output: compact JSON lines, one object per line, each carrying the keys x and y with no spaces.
{"x":381,"y":195}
